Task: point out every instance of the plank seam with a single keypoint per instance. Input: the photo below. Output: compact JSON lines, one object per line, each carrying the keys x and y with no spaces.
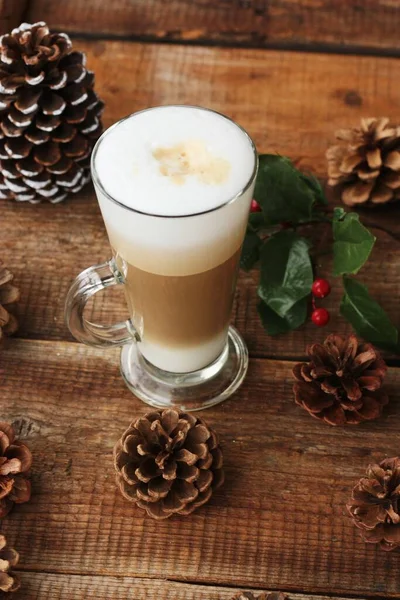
{"x":311,"y":47}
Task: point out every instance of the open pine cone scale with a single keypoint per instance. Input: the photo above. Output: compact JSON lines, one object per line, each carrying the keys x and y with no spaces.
{"x":262,"y":596}
{"x":342,"y":383}
{"x":15,"y":462}
{"x":49,"y":115}
{"x":8,"y":559}
{"x":365,"y":163}
{"x":9,"y":294}
{"x":375,"y":504}
{"x":168,"y":462}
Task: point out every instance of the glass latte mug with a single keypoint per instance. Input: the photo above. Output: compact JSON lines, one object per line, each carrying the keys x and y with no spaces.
{"x":174,"y":185}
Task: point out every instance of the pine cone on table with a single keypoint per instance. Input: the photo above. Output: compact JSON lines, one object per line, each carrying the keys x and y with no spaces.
{"x":168,"y":462}
{"x":9,"y":294}
{"x":263,"y":596}
{"x":8,"y":559}
{"x":342,"y":382}
{"x":375,"y":504}
{"x":49,"y":115}
{"x":15,"y":462}
{"x":366,"y":163}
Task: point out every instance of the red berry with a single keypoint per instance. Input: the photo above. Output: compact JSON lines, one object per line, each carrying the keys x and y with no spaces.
{"x":320,"y":317}
{"x":255,"y":207}
{"x":320,"y":288}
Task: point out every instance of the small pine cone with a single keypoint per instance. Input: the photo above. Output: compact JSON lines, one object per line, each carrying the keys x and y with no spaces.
{"x":375,"y":504}
{"x":342,"y":382}
{"x":168,"y":462}
{"x":15,"y":462}
{"x":263,"y":596}
{"x":8,"y":558}
{"x":49,"y":115}
{"x":8,"y":295}
{"x":366,"y":164}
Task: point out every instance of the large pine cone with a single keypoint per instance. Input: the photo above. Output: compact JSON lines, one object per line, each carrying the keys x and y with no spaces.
{"x":15,"y":462}
{"x":263,"y":596}
{"x":375,"y":504}
{"x":8,"y":558}
{"x":49,"y":115}
{"x":366,"y":164}
{"x":168,"y":462}
{"x":342,"y":382}
{"x":8,"y":295}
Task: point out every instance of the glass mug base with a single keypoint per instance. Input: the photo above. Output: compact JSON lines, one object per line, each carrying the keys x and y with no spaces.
{"x":186,"y":391}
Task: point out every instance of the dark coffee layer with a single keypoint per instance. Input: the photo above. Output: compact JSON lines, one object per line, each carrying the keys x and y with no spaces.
{"x":183,"y":310}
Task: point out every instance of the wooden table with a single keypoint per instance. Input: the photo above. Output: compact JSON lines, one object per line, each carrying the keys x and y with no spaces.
{"x":291,"y":73}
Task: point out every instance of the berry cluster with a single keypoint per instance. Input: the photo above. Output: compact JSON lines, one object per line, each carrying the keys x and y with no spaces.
{"x":320,"y":289}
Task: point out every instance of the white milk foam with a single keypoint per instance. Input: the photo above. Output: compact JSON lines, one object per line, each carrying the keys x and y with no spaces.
{"x":136,"y":164}
{"x":130,"y":172}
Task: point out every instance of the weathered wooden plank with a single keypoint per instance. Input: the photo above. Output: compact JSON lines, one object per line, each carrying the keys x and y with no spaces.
{"x":279,"y":521}
{"x":48,"y":586}
{"x":372,"y":23}
{"x":11,"y":14}
{"x":289,"y":103}
{"x":46,"y":246}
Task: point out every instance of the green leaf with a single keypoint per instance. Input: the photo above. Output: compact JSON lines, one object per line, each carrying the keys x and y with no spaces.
{"x":367,"y":317}
{"x":286,"y":271}
{"x":282,"y":191}
{"x":256,"y":221}
{"x":338,"y":213}
{"x":273,"y":324}
{"x":316,"y":187}
{"x":250,"y":250}
{"x":352,"y":243}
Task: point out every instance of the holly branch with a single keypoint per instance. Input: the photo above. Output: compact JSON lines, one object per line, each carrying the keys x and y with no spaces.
{"x":285,"y":200}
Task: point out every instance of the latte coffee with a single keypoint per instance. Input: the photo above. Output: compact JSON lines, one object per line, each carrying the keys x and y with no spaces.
{"x":183,"y":173}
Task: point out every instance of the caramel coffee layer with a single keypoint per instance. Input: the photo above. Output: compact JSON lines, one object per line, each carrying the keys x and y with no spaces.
{"x":179,"y":311}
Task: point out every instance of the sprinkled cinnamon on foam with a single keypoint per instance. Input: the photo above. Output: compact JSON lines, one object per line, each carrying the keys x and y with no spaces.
{"x":191,"y":158}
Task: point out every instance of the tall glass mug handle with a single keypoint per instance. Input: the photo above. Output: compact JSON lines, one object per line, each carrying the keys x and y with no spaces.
{"x":90,"y":281}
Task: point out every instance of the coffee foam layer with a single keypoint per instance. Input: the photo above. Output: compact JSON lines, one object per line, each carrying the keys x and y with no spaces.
{"x":174,"y":161}
{"x":169,"y":246}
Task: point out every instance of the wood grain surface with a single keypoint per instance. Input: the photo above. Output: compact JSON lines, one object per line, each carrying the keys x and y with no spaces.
{"x":11,"y":14}
{"x":291,"y":103}
{"x":278,"y":522}
{"x":338,"y":24}
{"x":47,"y":586}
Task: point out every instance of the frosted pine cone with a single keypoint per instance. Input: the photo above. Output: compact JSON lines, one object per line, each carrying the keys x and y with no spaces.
{"x":49,"y":115}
